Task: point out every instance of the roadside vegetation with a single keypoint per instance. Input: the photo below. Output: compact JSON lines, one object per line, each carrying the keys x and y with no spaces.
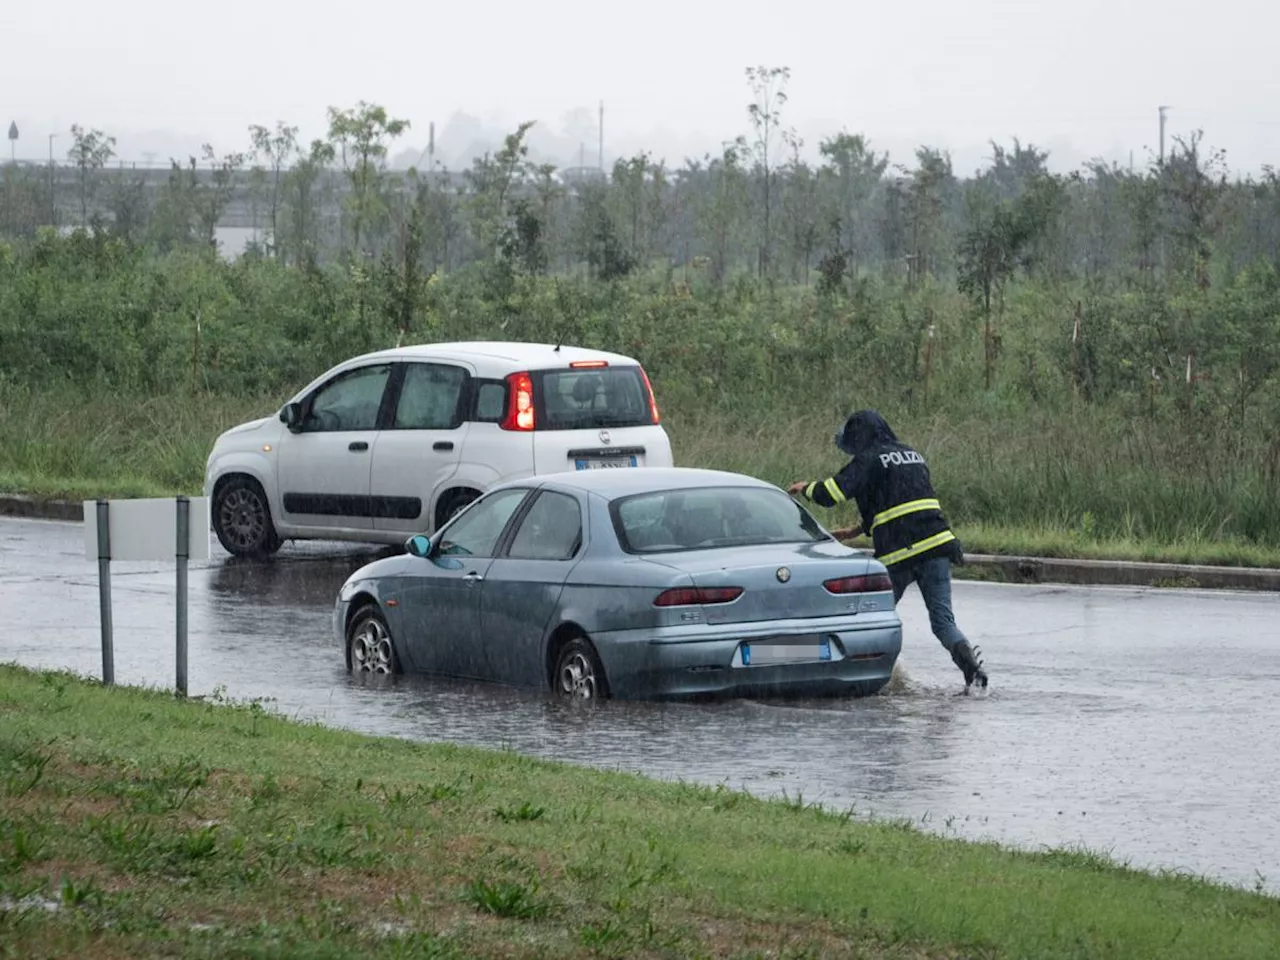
{"x":134,"y":824}
{"x":1090,"y":362}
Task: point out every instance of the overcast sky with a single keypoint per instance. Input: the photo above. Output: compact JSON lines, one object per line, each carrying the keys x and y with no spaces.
{"x":1082,"y":78}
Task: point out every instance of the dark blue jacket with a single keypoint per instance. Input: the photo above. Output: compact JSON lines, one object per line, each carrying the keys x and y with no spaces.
{"x":890,"y":483}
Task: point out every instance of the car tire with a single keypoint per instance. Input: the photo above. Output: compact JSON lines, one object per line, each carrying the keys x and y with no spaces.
{"x":453,"y":504}
{"x":242,"y":519}
{"x":370,"y":648}
{"x":578,"y":673}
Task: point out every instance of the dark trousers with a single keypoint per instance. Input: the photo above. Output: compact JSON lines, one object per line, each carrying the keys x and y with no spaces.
{"x":934,"y":578}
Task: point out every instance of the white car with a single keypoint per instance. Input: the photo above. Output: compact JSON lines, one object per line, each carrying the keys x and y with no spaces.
{"x":394,"y":443}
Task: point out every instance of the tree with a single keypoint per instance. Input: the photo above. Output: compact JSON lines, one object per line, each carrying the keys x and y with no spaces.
{"x":301,"y":227}
{"x":360,"y":137}
{"x":769,"y":96}
{"x":855,"y":171}
{"x":598,"y":241}
{"x":799,"y":208}
{"x":549,"y":193}
{"x":629,"y":187}
{"x":278,"y":148}
{"x":720,"y":206}
{"x":128,"y":203}
{"x":492,"y":179}
{"x":1193,"y":185}
{"x":213,"y":197}
{"x":931,"y":183}
{"x":994,"y":246}
{"x":90,"y":151}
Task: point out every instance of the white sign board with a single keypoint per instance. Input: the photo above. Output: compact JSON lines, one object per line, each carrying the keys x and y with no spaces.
{"x":148,"y":529}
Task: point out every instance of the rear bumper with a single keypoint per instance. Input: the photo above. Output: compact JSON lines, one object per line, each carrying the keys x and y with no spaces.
{"x":639,"y":665}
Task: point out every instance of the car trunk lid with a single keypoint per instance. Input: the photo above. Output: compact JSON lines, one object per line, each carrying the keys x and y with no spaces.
{"x":780,"y":581}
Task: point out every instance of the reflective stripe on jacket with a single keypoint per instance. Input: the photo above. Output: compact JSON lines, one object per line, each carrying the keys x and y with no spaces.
{"x":900,"y":511}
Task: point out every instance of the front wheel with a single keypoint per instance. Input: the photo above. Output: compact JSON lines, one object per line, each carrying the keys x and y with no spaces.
{"x":579,"y":674}
{"x":370,"y":648}
{"x":242,"y":519}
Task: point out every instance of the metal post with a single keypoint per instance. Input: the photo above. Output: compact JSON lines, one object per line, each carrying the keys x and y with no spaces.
{"x":183,"y":555}
{"x":104,"y":591}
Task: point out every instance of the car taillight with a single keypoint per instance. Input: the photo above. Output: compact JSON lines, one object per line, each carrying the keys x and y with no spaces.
{"x":653,"y":404}
{"x":871,"y":583}
{"x":519,"y":402}
{"x":692,"y":596}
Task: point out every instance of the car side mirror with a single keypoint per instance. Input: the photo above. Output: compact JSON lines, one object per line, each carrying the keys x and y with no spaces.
{"x":419,"y":546}
{"x":291,"y":416}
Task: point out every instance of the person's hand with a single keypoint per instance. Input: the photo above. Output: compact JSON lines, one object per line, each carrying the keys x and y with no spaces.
{"x":847,"y":533}
{"x":797,"y":488}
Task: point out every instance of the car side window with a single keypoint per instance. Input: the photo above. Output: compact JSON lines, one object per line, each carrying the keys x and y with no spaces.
{"x":491,"y":401}
{"x":476,"y":531}
{"x":551,"y":530}
{"x":429,"y":397}
{"x":351,"y":402}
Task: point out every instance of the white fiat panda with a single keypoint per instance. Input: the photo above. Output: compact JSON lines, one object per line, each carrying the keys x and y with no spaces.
{"x":394,"y":443}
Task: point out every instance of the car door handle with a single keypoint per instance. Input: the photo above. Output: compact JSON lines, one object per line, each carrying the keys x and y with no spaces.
{"x":473,"y":577}
{"x":442,"y":445}
{"x":357,"y":445}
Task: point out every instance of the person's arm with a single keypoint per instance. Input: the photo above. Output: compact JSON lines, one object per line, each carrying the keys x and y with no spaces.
{"x":830,"y":492}
{"x":847,"y":533}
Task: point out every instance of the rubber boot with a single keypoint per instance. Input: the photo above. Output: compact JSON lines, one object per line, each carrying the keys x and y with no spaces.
{"x":966,"y":658}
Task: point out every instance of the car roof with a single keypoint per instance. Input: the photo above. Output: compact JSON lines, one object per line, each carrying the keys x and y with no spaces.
{"x":613,"y":484}
{"x":514,"y":353}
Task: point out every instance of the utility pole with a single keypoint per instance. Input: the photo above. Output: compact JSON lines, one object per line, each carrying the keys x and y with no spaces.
{"x":13,"y":142}
{"x":1162,"y":113}
{"x":602,"y":136}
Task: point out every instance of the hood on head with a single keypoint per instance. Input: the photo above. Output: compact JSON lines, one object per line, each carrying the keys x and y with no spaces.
{"x":862,"y":430}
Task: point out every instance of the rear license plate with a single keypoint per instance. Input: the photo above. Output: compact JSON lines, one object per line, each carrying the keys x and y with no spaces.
{"x":606,"y":463}
{"x":767,"y":654}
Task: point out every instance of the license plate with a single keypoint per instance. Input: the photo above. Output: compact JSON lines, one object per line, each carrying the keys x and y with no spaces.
{"x":605,"y":464}
{"x":766,"y":654}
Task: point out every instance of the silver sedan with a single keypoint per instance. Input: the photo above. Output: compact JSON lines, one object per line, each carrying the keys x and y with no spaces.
{"x":641,"y":583}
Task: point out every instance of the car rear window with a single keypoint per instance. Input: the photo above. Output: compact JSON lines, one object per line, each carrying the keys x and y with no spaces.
{"x":693,"y":519}
{"x":592,"y":397}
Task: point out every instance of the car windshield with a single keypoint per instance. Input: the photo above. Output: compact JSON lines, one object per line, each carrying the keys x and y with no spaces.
{"x":592,"y":397}
{"x":692,"y":519}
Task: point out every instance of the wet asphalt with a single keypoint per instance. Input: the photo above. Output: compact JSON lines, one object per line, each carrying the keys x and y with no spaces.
{"x":1137,"y":722}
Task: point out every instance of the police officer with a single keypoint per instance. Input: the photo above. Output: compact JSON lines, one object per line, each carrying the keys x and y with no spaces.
{"x":890,"y":484}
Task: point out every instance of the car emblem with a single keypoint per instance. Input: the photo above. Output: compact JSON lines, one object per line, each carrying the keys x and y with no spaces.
{"x":783,"y":574}
{"x":604,"y":436}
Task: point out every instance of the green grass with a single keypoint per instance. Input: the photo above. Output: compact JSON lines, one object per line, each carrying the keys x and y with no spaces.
{"x":1002,"y":480}
{"x":150,"y":826}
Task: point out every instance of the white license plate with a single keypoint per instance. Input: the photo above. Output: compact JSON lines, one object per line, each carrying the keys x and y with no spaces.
{"x":766,"y":654}
{"x":605,"y":464}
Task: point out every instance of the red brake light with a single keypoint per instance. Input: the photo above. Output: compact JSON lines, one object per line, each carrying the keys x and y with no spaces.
{"x":692,"y":596}
{"x":871,"y":583}
{"x":653,"y":404}
{"x":519,"y":402}
{"x":588,"y":364}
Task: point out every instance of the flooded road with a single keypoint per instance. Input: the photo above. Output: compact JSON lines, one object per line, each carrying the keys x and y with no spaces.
{"x":1140,"y":723}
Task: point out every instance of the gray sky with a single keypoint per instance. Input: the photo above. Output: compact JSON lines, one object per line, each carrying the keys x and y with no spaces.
{"x":1081,"y":79}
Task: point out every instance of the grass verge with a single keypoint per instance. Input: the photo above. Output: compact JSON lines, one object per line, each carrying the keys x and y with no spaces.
{"x":136,"y":825}
{"x":1009,"y":501}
